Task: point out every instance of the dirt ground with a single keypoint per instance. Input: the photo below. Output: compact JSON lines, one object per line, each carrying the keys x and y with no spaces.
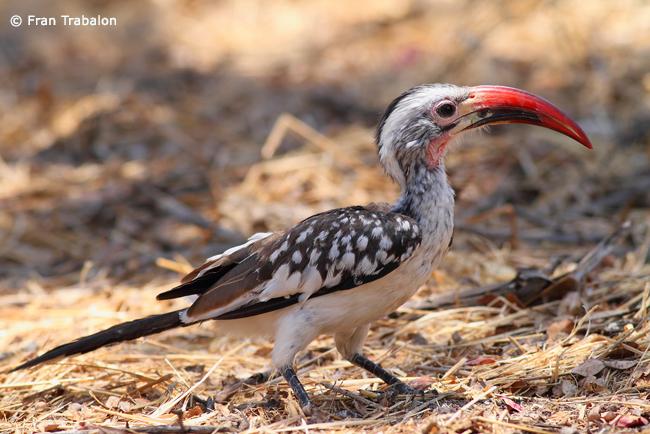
{"x":130,"y":153}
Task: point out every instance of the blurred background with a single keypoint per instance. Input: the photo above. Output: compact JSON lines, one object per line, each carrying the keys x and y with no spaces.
{"x":123,"y":145}
{"x":130,"y":153}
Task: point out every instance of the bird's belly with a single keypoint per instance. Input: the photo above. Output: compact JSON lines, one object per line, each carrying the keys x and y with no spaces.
{"x":341,"y":310}
{"x":347,"y":309}
{"x":352,"y":308}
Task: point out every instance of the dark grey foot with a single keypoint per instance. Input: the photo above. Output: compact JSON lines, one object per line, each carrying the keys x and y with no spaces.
{"x":206,"y":404}
{"x":290,"y":375}
{"x":404,"y":389}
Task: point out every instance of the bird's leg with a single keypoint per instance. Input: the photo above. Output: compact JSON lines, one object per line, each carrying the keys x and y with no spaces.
{"x":379,"y":372}
{"x":298,"y":389}
{"x":349,"y":344}
{"x":293,"y":334}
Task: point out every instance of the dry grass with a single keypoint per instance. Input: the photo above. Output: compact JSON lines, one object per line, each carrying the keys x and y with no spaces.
{"x":204,"y":131}
{"x":498,"y":366}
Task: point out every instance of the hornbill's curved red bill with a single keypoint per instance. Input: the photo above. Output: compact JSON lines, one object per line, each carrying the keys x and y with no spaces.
{"x":339,"y":270}
{"x":491,"y":105}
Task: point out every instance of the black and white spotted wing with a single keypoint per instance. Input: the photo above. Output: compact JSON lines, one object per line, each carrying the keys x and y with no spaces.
{"x":332,"y":251}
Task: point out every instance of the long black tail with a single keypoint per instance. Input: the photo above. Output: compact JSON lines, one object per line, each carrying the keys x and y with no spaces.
{"x":118,"y":333}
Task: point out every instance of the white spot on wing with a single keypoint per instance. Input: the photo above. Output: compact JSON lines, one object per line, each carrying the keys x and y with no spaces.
{"x":347,"y":261}
{"x":332,"y":279}
{"x":385,"y":243}
{"x":365,"y":267}
{"x":303,"y":235}
{"x":362,"y":243}
{"x":296,"y":257}
{"x":311,"y":282}
{"x":281,"y":284}
{"x":313,"y":257}
{"x":283,"y":248}
{"x":334,"y":251}
{"x":294,"y":280}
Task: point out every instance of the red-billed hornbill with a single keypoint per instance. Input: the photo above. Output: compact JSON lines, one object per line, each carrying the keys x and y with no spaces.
{"x":337,"y":271}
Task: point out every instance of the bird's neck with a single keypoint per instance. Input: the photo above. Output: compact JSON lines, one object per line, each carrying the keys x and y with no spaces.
{"x":427,"y":197}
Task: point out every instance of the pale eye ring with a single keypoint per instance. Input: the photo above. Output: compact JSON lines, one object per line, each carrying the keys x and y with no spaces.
{"x":445,"y":109}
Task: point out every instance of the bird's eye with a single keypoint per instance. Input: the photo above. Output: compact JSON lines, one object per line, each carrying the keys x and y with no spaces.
{"x":445,"y":109}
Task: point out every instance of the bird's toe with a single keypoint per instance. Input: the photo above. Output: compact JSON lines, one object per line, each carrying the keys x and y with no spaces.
{"x":307,"y":409}
{"x":404,"y":389}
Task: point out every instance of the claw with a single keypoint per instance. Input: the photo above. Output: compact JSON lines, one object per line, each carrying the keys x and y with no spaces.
{"x":404,"y":389}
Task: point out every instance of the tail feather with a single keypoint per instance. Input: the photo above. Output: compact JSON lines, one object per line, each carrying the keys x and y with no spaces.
{"x":118,"y":333}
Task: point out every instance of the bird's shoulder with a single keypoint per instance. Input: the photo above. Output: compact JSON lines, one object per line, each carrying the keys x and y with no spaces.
{"x":331,"y":251}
